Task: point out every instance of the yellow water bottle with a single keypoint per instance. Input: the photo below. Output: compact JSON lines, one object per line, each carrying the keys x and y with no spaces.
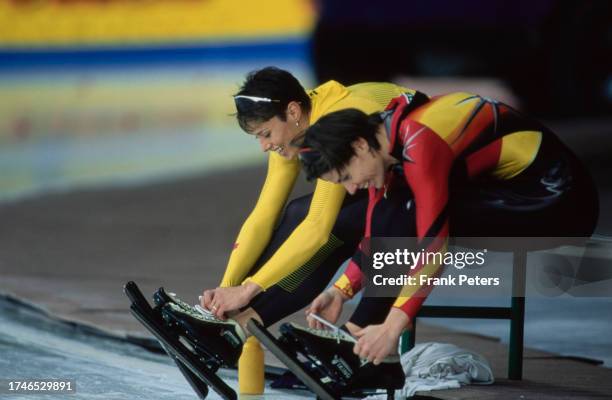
{"x":251,"y":368}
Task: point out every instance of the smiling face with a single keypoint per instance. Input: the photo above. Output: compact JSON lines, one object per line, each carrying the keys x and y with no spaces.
{"x":280,"y":136}
{"x":365,"y":169}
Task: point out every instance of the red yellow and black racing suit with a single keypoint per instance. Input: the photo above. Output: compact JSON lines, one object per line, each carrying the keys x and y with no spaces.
{"x":469,"y":166}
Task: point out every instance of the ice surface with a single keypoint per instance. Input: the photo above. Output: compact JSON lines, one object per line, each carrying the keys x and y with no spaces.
{"x":34,"y":346}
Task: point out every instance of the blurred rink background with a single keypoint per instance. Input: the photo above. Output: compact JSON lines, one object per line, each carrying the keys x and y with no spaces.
{"x":96,"y":92}
{"x":109,"y":92}
{"x":100,"y":94}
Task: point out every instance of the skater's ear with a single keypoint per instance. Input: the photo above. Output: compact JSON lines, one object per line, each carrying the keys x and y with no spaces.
{"x":360,"y":146}
{"x":294,"y":111}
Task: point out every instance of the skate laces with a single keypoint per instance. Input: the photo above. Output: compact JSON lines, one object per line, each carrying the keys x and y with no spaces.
{"x":202,"y":314}
{"x":333,"y":329}
{"x":333,"y":332}
{"x":196,"y":312}
{"x":338,"y":335}
{"x":178,"y":301}
{"x":180,"y":305}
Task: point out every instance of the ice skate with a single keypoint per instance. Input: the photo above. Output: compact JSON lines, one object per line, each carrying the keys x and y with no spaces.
{"x":222,"y":339}
{"x":332,"y":352}
{"x":198,"y":367}
{"x":161,"y":297}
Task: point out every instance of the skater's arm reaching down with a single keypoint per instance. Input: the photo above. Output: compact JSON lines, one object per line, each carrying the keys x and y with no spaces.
{"x":427,"y":160}
{"x":257,"y":229}
{"x":300,"y":247}
{"x":307,"y":238}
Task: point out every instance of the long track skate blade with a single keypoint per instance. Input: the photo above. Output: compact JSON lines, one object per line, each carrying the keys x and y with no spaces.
{"x":196,"y":383}
{"x":198,"y":380}
{"x":143,"y":312}
{"x":290,"y":361}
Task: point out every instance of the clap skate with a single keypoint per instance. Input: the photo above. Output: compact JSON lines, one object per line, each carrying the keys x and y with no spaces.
{"x":197,"y":364}
{"x":207,"y":334}
{"x":324,"y":361}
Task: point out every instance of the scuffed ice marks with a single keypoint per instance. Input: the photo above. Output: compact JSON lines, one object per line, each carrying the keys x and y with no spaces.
{"x":34,"y":346}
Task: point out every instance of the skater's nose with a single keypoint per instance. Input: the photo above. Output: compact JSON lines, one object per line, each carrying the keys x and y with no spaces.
{"x":265,"y":144}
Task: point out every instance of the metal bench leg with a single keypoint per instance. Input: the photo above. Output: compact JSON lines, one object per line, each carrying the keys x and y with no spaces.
{"x":517,"y":322}
{"x":407,"y":339}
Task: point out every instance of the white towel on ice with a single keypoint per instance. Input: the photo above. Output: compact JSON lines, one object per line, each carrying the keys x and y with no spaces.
{"x":434,"y":366}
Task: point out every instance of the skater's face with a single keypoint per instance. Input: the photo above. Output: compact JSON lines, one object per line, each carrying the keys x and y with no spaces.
{"x":364,"y":170}
{"x":281,"y":136}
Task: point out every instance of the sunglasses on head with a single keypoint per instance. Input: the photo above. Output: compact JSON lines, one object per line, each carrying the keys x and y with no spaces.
{"x":246,"y":103}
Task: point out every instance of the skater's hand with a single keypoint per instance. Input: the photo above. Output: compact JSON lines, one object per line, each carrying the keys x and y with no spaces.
{"x":375,"y":342}
{"x":327,"y":305}
{"x":222,"y":300}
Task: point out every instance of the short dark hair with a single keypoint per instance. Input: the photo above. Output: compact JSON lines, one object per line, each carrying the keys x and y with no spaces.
{"x":272,"y":83}
{"x":328,"y":142}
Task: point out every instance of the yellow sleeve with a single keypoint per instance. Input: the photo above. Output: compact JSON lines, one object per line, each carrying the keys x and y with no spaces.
{"x":307,"y":238}
{"x":257,"y":229}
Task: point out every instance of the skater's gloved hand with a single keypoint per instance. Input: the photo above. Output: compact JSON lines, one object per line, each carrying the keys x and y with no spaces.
{"x":327,"y":305}
{"x":375,"y":342}
{"x":222,"y":300}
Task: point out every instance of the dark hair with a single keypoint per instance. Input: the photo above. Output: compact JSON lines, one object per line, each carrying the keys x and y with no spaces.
{"x":272,"y":83}
{"x":328,"y":142}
